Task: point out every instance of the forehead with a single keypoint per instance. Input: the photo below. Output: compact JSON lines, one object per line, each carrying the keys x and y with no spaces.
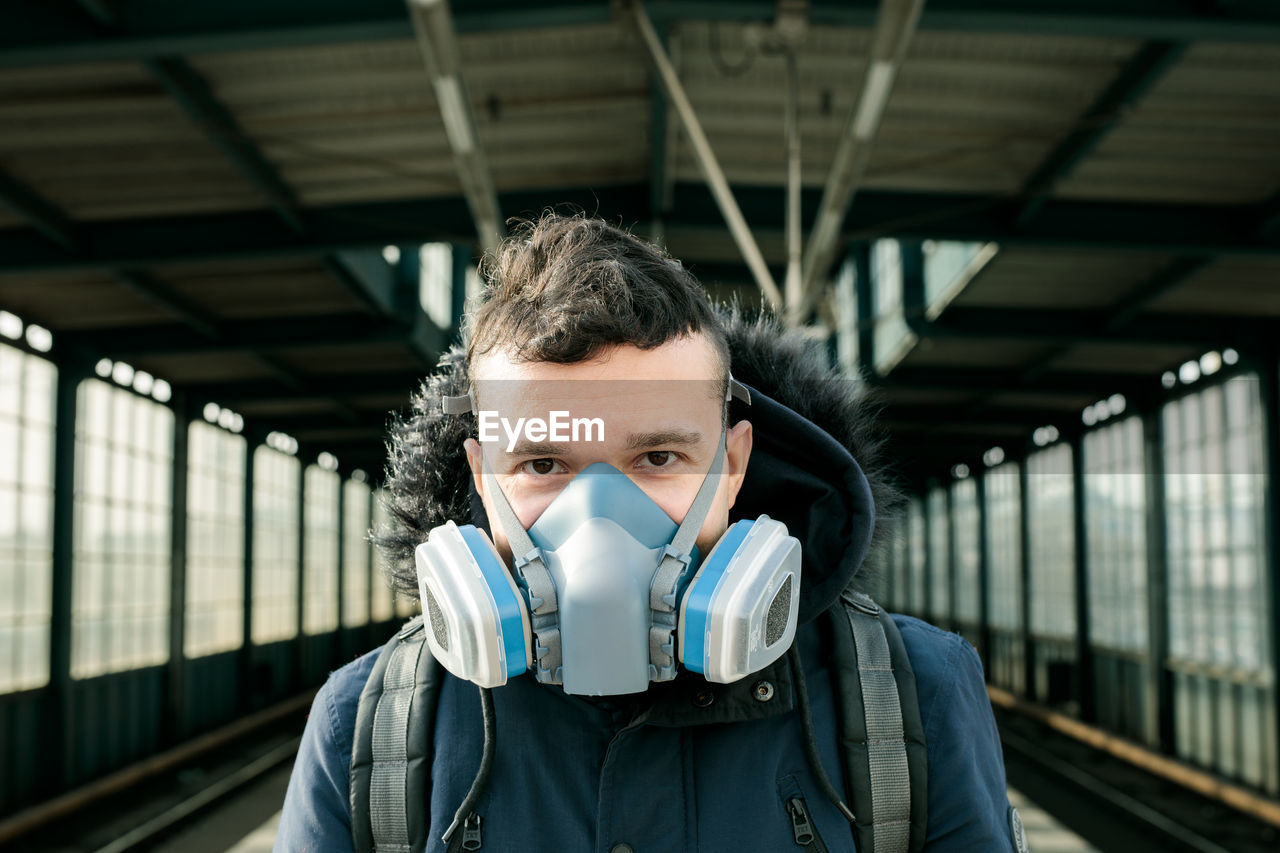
{"x":683,"y":374}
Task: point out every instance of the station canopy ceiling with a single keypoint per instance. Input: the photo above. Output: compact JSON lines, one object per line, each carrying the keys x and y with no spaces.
{"x":205,"y":189}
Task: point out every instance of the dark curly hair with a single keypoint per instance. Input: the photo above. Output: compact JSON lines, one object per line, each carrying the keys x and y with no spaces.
{"x":561,"y":288}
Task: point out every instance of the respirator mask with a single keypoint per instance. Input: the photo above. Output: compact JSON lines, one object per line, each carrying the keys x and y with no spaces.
{"x":608,"y":593}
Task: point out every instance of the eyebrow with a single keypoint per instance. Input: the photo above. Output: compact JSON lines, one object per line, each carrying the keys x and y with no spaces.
{"x":661,"y":438}
{"x":530,"y":448}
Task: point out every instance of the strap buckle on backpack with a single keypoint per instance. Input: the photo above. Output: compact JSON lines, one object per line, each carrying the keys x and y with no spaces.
{"x":861,"y":601}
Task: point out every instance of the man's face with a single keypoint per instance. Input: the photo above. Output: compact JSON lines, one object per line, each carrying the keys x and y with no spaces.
{"x":660,"y":410}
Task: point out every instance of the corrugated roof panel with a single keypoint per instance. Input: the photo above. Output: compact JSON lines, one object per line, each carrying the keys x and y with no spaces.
{"x":891,"y":395}
{"x":968,"y":112}
{"x":1033,"y":278}
{"x":180,"y":368}
{"x":1071,"y":404}
{"x":1124,"y":358}
{"x":111,"y":144}
{"x":320,"y":360}
{"x":1244,"y":286}
{"x":357,"y":121}
{"x":944,"y":352}
{"x":283,"y":287}
{"x":77,"y":300}
{"x":980,"y":112}
{"x":1208,"y":131}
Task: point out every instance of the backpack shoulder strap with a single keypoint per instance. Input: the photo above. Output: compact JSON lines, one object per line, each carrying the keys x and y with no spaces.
{"x":881,"y":732}
{"x":392,"y":748}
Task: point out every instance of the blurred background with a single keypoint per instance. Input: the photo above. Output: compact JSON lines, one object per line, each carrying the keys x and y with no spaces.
{"x":235,"y":235}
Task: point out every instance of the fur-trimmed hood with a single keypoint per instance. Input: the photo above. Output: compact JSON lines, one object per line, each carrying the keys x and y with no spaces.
{"x":814,"y":463}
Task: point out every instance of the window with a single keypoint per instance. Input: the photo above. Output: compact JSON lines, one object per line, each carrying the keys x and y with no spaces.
{"x":965,"y":552}
{"x":846,"y":309}
{"x":1051,"y":529}
{"x":381,"y":605}
{"x":215,"y":540}
{"x":939,"y":591}
{"x":355,"y":553}
{"x":123,"y":531}
{"x":275,"y":546}
{"x":918,"y":555}
{"x":1214,"y":491}
{"x":900,"y":565}
{"x":320,"y":571}
{"x":891,"y":338}
{"x":1004,"y":546}
{"x":1115,"y":526}
{"x":27,"y":404}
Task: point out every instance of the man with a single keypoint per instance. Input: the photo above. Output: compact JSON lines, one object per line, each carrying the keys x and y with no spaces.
{"x":582,"y":752}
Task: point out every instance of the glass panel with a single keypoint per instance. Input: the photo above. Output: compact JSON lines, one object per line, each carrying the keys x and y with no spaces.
{"x":1218,"y":586}
{"x":320,"y":570}
{"x":965,"y":551}
{"x":1051,"y":531}
{"x":274,"y":607}
{"x":27,"y":387}
{"x":381,"y":604}
{"x":918,"y":557}
{"x":122,"y":565}
{"x":215,"y":540}
{"x":1115,"y":524}
{"x":1004,"y":546}
{"x":355,"y":553}
{"x":939,"y":591}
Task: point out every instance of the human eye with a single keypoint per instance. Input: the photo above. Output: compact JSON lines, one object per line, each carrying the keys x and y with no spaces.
{"x":657,"y":459}
{"x":543,"y":467}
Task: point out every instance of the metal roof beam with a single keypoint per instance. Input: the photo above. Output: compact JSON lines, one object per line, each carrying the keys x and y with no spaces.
{"x":300,"y":424}
{"x":1011,"y":381}
{"x":1174,"y":228}
{"x":895,"y":26}
{"x":247,"y":391}
{"x":438,"y":44}
{"x":197,"y":99}
{"x":1139,"y":74}
{"x":1059,"y":326}
{"x":717,"y":183}
{"x":45,"y":217}
{"x":185,"y":85}
{"x":45,"y":32}
{"x":947,"y":418}
{"x":366,"y":274}
{"x":272,"y":334}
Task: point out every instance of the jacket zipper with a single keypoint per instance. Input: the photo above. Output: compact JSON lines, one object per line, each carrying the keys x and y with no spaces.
{"x":802,"y":828}
{"x":469,"y":838}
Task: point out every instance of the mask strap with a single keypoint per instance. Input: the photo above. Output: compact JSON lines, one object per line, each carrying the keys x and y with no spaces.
{"x":675,"y":562}
{"x":529,"y":565}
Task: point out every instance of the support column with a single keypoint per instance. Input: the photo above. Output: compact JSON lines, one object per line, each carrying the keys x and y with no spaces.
{"x":1159,"y":684}
{"x":338,"y":649}
{"x":1269,"y":379}
{"x":298,"y":676}
{"x":984,"y":576}
{"x":245,"y":700}
{"x":60,"y":717}
{"x":176,"y":723}
{"x":1028,"y":645}
{"x":927,"y":517}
